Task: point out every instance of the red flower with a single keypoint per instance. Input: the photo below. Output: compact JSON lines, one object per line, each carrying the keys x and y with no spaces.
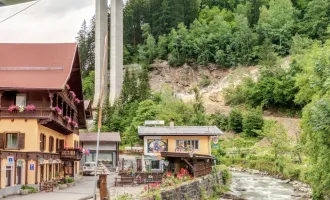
{"x":30,"y":107}
{"x":168,"y":174}
{"x":76,"y":100}
{"x":12,"y":108}
{"x":73,"y":94}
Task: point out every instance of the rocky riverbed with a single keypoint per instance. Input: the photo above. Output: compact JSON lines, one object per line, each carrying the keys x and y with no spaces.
{"x":254,"y":184}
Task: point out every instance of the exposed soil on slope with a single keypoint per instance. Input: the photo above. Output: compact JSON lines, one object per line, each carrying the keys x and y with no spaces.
{"x":183,"y":79}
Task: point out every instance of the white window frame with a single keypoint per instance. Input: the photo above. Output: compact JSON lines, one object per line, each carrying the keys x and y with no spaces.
{"x":185,"y":140}
{"x":23,"y":96}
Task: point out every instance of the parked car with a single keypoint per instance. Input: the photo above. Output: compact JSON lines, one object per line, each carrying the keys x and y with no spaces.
{"x":89,"y":168}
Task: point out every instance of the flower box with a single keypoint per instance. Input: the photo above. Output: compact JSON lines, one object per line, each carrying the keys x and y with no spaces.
{"x":73,"y":95}
{"x":77,"y":101}
{"x":58,"y":110}
{"x":13,"y":108}
{"x":30,"y":107}
{"x":68,"y":119}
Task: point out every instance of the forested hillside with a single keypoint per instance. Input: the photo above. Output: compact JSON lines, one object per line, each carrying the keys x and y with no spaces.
{"x":228,"y":34}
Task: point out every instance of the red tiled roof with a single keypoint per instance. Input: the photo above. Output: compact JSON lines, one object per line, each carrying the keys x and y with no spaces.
{"x":41,"y":56}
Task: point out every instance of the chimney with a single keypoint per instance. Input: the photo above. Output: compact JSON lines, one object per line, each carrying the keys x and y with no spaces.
{"x":172,"y":123}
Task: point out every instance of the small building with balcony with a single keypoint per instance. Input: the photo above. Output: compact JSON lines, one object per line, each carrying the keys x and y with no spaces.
{"x":41,"y":112}
{"x":171,"y":148}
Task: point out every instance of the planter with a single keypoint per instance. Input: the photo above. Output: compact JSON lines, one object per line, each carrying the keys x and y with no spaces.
{"x":62,"y":186}
{"x":70,"y":185}
{"x":24,"y":192}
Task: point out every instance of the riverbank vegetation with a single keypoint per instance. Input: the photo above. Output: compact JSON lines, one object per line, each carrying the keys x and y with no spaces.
{"x":230,"y":34}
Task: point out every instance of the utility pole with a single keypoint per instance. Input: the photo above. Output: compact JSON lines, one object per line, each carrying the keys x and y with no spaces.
{"x":99,"y":125}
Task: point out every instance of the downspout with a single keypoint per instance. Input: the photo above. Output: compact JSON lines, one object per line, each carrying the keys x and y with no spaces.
{"x":0,"y":160}
{"x":26,"y":169}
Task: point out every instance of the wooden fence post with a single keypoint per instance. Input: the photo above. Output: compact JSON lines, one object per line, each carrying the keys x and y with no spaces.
{"x":103,"y":187}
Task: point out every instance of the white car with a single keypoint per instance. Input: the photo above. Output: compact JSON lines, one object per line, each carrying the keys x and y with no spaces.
{"x":89,"y":168}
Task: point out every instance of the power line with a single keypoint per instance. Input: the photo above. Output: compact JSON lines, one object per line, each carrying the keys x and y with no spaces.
{"x":20,"y":11}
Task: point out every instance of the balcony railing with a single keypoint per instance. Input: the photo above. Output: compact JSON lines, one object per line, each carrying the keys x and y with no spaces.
{"x":46,"y":117}
{"x":70,"y":154}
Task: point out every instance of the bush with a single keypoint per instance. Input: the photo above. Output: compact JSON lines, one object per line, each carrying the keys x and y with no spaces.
{"x":220,"y":120}
{"x":235,"y":120}
{"x":70,"y":180}
{"x":206,"y":81}
{"x":253,"y":122}
{"x":31,"y":189}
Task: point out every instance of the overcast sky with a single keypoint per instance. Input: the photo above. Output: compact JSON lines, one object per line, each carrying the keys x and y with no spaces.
{"x":46,"y":21}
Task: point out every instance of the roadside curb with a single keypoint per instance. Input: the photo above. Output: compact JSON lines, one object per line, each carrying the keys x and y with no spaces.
{"x":86,"y":198}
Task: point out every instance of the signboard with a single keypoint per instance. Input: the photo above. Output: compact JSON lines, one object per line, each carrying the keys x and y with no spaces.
{"x":157,"y":145}
{"x":10,"y":160}
{"x":31,"y":166}
{"x":154,"y":122}
{"x":215,"y":142}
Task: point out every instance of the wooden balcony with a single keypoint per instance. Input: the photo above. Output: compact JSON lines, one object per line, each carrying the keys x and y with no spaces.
{"x":70,"y":154}
{"x":45,"y":116}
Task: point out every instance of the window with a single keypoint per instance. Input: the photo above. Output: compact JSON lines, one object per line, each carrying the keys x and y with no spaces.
{"x":12,"y":140}
{"x":42,"y":142}
{"x":21,"y":99}
{"x":51,"y":144}
{"x":185,"y":143}
{"x":155,"y":164}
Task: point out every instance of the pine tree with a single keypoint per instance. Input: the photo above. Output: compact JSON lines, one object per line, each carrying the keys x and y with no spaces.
{"x":144,"y":87}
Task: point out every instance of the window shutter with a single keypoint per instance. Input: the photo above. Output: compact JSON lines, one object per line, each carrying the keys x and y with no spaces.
{"x":21,"y":141}
{"x":44,"y":142}
{"x":51,"y":144}
{"x":2,"y":140}
{"x":61,"y":144}
{"x":57,"y":147}
{"x":41,"y":142}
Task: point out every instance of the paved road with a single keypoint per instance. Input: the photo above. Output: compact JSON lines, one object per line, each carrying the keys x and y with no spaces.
{"x":83,"y":189}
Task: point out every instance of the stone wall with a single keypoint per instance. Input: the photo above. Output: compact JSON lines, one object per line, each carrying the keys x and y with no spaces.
{"x":193,"y":190}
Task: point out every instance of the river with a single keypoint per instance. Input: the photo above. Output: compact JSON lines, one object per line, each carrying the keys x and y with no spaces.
{"x":257,"y":187}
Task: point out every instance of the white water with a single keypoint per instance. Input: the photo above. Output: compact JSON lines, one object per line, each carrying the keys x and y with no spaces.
{"x":259,"y":187}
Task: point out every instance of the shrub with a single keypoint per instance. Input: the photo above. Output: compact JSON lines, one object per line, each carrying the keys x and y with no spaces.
{"x":70,"y":180}
{"x":206,"y":81}
{"x":252,"y":122}
{"x":220,"y":120}
{"x":235,"y":120}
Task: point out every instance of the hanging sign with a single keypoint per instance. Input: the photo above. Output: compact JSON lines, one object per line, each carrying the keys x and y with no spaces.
{"x":215,"y":141}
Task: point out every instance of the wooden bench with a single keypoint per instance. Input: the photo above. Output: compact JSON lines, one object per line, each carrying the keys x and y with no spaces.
{"x":124,"y":181}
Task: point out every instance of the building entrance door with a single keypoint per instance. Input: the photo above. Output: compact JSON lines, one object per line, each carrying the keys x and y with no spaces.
{"x":8,"y":176}
{"x":50,"y":172}
{"x":41,"y":173}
